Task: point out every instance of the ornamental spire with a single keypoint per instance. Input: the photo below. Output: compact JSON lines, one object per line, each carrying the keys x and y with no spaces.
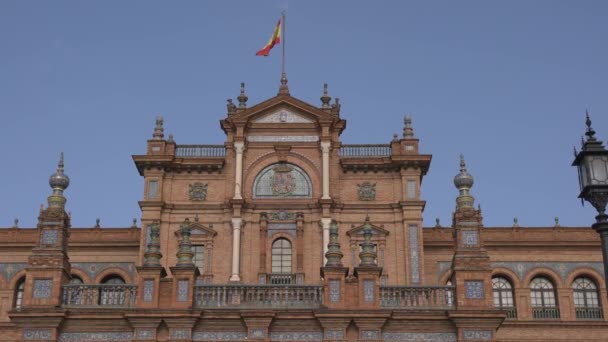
{"x":590,"y":132}
{"x":152,"y":255}
{"x":368,"y":254}
{"x":184,"y":253}
{"x":58,"y":182}
{"x":242,"y":97}
{"x":158,"y":130}
{"x":325,"y":99}
{"x":334,"y":254}
{"x":283,"y":89}
{"x":408,"y":130}
{"x":464,"y":182}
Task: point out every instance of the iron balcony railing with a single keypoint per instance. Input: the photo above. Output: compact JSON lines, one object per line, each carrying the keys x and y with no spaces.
{"x":258,"y":296}
{"x":547,"y":312}
{"x":355,"y":151}
{"x":280,"y":278}
{"x":590,"y":313}
{"x":416,"y":297}
{"x":510,"y":310}
{"x":200,"y":151}
{"x":105,"y":295}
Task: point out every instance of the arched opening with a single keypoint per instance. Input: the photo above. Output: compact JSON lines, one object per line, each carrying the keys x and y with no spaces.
{"x":542,"y":295}
{"x":19,"y":289}
{"x":586,"y":299}
{"x":73,"y":293}
{"x":281,"y":262}
{"x":282,"y":180}
{"x":502,"y":291}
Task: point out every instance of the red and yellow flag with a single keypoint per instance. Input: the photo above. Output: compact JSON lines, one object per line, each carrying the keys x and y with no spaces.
{"x":274,"y":39}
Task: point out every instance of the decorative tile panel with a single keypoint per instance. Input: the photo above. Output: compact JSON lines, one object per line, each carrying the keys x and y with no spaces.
{"x":369,"y":334}
{"x":414,"y":254}
{"x":95,"y":336}
{"x":148,"y":290}
{"x":296,"y":336}
{"x":257,"y":332}
{"x":182,"y":290}
{"x":8,"y":270}
{"x":152,"y":189}
{"x":417,"y":336}
{"x":219,"y":336}
{"x":368,"y":290}
{"x":273,"y":228}
{"x":411,"y":189}
{"x":478,"y":335}
{"x":561,"y":268}
{"x":50,"y":237}
{"x":42,"y":288}
{"x":334,"y":334}
{"x":470,"y":238}
{"x":94,"y":268}
{"x":334,"y":291}
{"x":37,"y":334}
{"x":180,"y":333}
{"x":145,"y":334}
{"x":473,"y":289}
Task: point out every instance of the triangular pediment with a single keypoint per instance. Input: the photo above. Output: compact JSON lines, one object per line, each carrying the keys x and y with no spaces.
{"x":198,"y":229}
{"x":376,"y":231}
{"x":283,"y":114}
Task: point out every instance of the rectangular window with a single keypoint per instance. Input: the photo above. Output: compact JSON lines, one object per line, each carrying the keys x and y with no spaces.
{"x":152,"y":189}
{"x":411,"y":189}
{"x":199,"y":257}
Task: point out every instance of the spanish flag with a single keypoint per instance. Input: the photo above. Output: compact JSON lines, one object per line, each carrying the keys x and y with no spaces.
{"x":274,"y":39}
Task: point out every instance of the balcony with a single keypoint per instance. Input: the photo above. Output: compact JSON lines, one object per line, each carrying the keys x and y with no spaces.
{"x":510,"y":310}
{"x":546,"y":312}
{"x":589,"y":313}
{"x":99,"y":296}
{"x":200,"y":151}
{"x":258,"y":296}
{"x":358,"y":151}
{"x":280,"y":278}
{"x":417,"y":297}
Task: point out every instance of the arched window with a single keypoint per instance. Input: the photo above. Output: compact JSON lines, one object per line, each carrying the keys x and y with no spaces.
{"x":281,"y":261}
{"x":72,"y":295}
{"x":112,"y":291}
{"x":19,"y":289}
{"x":503,"y":296}
{"x":586,"y":299}
{"x":542,"y":295}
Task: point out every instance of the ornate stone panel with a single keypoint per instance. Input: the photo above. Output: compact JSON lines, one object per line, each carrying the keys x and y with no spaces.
{"x":282,"y":180}
{"x":182,"y":290}
{"x":219,"y":336}
{"x":37,"y":334}
{"x":95,"y":336}
{"x":148,"y":290}
{"x":334,"y":291}
{"x":50,"y":237}
{"x":94,"y":268}
{"x":414,"y":254}
{"x":281,"y":215}
{"x":368,"y":290}
{"x":419,"y":337}
{"x":470,"y":238}
{"x":296,"y":336}
{"x":366,"y":191}
{"x":197,"y":191}
{"x":473,"y":289}
{"x":42,"y":288}
{"x":334,"y":334}
{"x":369,"y":334}
{"x":283,"y":138}
{"x":478,"y":335}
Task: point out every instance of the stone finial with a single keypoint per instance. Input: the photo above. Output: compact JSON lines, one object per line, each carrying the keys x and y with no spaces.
{"x":170,"y":140}
{"x":334,"y":254}
{"x":335,"y":108}
{"x":557,"y":221}
{"x":437,"y":224}
{"x":408,"y":130}
{"x":515,"y":222}
{"x":283,"y":88}
{"x":97,"y":223}
{"x":184,"y":253}
{"x":158,"y":130}
{"x":134,"y":223}
{"x":58,"y":182}
{"x":395,"y":137}
{"x":590,"y":132}
{"x":368,"y":254}
{"x":325,"y":99}
{"x":464,"y":182}
{"x":16,"y":223}
{"x":230,"y":107}
{"x":242,"y":97}
{"x":152,"y":255}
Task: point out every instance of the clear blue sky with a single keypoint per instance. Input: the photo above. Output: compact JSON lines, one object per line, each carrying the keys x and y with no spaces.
{"x":506,"y":83}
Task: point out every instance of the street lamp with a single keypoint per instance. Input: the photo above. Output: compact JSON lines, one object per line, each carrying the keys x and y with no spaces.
{"x":592,"y":165}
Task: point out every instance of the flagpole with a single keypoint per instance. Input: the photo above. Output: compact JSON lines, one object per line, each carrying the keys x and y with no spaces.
{"x":284,"y":42}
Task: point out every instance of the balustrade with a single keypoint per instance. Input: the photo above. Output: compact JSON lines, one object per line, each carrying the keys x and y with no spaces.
{"x":258,"y":296}
{"x":281,"y":278}
{"x":353,"y":151}
{"x":590,"y":313}
{"x":104,"y":295}
{"x":200,"y":151}
{"x":416,"y":297}
{"x":545,"y":313}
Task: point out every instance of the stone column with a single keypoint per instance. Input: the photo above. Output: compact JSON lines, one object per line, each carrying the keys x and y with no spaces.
{"x":239,"y":146}
{"x":325,"y":223}
{"x":325,"y":145}
{"x":236,"y":248}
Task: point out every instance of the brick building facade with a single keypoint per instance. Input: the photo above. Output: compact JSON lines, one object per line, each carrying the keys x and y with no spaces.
{"x":284,"y":233}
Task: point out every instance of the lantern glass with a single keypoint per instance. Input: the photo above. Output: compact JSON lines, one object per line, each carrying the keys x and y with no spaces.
{"x":597,"y":170}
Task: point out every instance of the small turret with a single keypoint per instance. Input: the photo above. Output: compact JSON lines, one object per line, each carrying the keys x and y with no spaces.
{"x":158,"y":129}
{"x":58,"y":182}
{"x":242,"y":97}
{"x":408,"y":130}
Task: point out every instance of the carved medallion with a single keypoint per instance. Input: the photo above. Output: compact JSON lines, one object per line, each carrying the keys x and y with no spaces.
{"x":367,"y":191}
{"x":282,"y":182}
{"x":198,"y":192}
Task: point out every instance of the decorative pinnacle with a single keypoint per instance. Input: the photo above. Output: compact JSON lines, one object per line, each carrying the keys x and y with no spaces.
{"x":463,"y":182}
{"x":134,"y":224}
{"x":437,"y":224}
{"x":152,"y":255}
{"x":170,"y":140}
{"x":16,"y":223}
{"x":284,"y":89}
{"x":97,"y":221}
{"x":557,"y":221}
{"x":367,"y":254}
{"x":242,"y":97}
{"x":184,"y":253}
{"x":158,"y":130}
{"x":408,"y":131}
{"x":335,"y":108}
{"x":325,"y":99}
{"x":58,"y":182}
{"x":515,"y":222}
{"x":590,"y":132}
{"x":334,"y":254}
{"x":231,"y":107}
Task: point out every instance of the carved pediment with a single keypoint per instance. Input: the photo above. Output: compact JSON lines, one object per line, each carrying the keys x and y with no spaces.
{"x":376,"y":231}
{"x":198,"y":229}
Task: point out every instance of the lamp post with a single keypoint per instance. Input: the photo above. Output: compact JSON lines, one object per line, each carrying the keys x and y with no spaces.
{"x":592,"y":165}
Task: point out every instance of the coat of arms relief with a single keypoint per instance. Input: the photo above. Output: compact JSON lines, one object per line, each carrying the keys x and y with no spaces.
{"x":366,"y":191}
{"x":198,"y":192}
{"x":283,"y":181}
